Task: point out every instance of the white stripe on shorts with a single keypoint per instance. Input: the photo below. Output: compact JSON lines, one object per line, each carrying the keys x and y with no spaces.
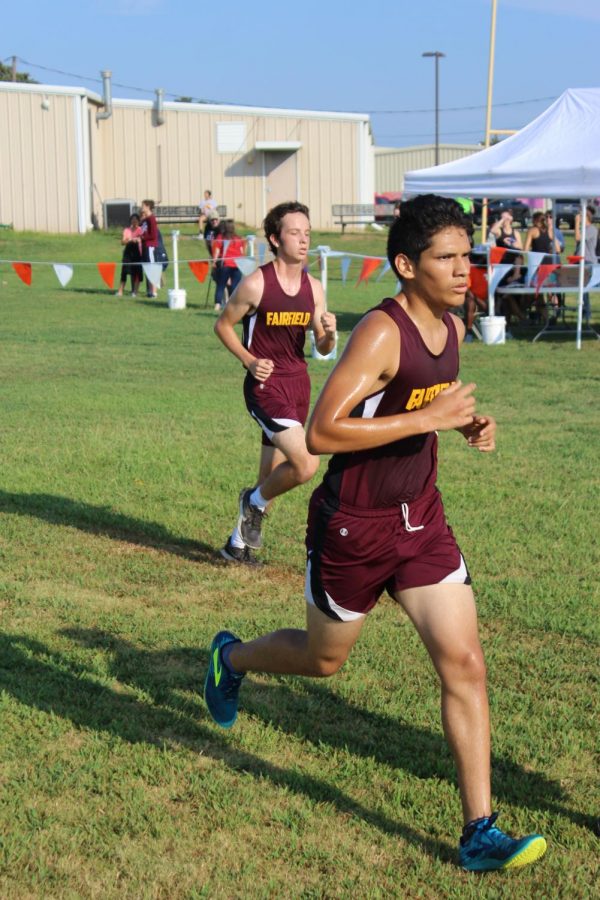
{"x":346,"y":615}
{"x":459,"y":576}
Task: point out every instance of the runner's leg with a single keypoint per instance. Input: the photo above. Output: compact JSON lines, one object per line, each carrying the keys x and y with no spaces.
{"x":446,"y":620}
{"x":298,"y":467}
{"x":318,"y":651}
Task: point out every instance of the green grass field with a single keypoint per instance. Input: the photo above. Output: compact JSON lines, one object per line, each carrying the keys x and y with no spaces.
{"x":124,"y":442}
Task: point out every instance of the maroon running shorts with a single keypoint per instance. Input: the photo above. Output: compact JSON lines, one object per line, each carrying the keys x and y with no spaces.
{"x":356,"y":554}
{"x":278,"y":403}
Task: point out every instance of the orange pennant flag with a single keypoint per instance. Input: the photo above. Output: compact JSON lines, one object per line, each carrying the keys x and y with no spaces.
{"x":107,"y":271}
{"x":23,"y":270}
{"x":199,"y":268}
{"x":478,"y":282}
{"x":368,"y":267}
{"x":497,"y":254}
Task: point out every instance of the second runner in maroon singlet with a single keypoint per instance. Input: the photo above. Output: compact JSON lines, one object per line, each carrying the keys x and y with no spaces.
{"x":276,"y":330}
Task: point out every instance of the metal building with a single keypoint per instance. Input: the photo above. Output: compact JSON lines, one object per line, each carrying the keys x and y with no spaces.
{"x":64,"y":151}
{"x":392,"y":162}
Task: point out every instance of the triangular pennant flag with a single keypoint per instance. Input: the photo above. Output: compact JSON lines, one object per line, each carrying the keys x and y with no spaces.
{"x":262,"y":248}
{"x":107,"y":272}
{"x":23,"y":270}
{"x":478,"y":282}
{"x":543,"y":272}
{"x":344,"y":266}
{"x":533,"y":261}
{"x":595,"y":278}
{"x":199,"y":268}
{"x":386,"y":268}
{"x":498,"y":273}
{"x":63,"y":272}
{"x":153,"y":272}
{"x":497,"y":254}
{"x":368,"y":267}
{"x":246,"y":265}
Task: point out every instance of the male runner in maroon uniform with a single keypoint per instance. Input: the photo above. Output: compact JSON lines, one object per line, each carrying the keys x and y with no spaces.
{"x":377,"y":522}
{"x":276,"y":304}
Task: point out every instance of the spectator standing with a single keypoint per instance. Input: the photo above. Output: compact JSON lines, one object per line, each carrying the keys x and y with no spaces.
{"x":132,"y":256}
{"x":588,"y":251}
{"x":149,"y":239}
{"x":226,"y":249}
{"x":207,"y":207}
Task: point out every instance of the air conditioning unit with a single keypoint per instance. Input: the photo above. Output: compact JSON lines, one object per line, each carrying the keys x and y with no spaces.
{"x":118,"y":212}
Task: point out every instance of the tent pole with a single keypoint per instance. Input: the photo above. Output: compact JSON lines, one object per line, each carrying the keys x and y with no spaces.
{"x":582,"y":224}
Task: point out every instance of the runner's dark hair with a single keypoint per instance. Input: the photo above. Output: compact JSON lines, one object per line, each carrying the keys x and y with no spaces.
{"x":274,"y":219}
{"x":420,"y":219}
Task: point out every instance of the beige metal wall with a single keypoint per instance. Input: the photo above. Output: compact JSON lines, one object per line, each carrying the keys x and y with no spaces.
{"x":38,"y":160}
{"x":174,"y":162}
{"x":392,"y":162}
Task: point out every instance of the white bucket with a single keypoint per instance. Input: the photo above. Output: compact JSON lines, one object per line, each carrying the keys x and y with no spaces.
{"x":177,"y":299}
{"x":493,"y":329}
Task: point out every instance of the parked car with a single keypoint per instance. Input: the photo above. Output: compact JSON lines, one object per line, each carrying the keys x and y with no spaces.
{"x":566,"y":210}
{"x":386,"y":201}
{"x":521,"y":212}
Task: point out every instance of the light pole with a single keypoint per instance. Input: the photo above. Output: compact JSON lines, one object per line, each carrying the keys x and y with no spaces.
{"x":437,"y":56}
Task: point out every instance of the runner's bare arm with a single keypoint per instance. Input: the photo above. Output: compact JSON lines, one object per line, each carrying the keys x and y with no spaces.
{"x":368,"y":363}
{"x":243,"y":302}
{"x":324,"y":322}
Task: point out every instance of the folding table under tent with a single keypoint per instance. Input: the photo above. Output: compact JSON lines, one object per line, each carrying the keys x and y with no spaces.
{"x":556,"y":155}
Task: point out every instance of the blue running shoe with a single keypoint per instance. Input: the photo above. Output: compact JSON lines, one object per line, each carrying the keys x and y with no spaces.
{"x":484,"y":847}
{"x":222,"y":686}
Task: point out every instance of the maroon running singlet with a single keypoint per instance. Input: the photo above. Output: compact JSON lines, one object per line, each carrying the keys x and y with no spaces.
{"x":277,"y":331}
{"x":277,"y":328}
{"x":377,"y":521}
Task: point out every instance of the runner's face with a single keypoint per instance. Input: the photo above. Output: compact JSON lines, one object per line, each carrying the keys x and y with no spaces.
{"x":441,"y":276}
{"x":294,"y":238}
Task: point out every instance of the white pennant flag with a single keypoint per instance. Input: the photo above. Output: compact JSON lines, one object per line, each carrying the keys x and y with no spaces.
{"x":385,"y":269}
{"x":595,"y":278}
{"x":498,"y":273}
{"x":63,"y":272}
{"x":344,"y":266}
{"x":533,"y":263}
{"x":246,"y":265}
{"x":153,"y":272}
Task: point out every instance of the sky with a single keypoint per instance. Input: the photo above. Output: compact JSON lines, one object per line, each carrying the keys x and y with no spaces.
{"x":329,"y":55}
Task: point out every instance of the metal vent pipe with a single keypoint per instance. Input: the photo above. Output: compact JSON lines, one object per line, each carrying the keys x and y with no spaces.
{"x":106,"y":96}
{"x":160,"y":112}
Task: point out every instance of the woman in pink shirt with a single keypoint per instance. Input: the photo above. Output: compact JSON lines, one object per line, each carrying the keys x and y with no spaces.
{"x":132,"y":256}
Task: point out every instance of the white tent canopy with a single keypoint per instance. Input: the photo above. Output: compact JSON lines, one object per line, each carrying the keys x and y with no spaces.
{"x":556,"y":155}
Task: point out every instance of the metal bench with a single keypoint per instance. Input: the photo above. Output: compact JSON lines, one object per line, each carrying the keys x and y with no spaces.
{"x":362,"y":214}
{"x":166,"y":215}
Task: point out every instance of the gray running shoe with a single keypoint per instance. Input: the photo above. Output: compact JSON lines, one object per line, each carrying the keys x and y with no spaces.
{"x":242,"y":555}
{"x":250,"y":521}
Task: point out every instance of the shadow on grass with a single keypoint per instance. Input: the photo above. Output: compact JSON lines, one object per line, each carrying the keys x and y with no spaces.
{"x":105,"y":521}
{"x":44,"y":679}
{"x":317,"y":716}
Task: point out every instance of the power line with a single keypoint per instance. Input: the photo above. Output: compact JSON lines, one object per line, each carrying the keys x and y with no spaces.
{"x":390,"y":112}
{"x":371,"y":112}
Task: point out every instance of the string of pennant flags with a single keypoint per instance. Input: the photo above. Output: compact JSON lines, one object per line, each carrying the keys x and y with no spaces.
{"x":538,"y":272}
